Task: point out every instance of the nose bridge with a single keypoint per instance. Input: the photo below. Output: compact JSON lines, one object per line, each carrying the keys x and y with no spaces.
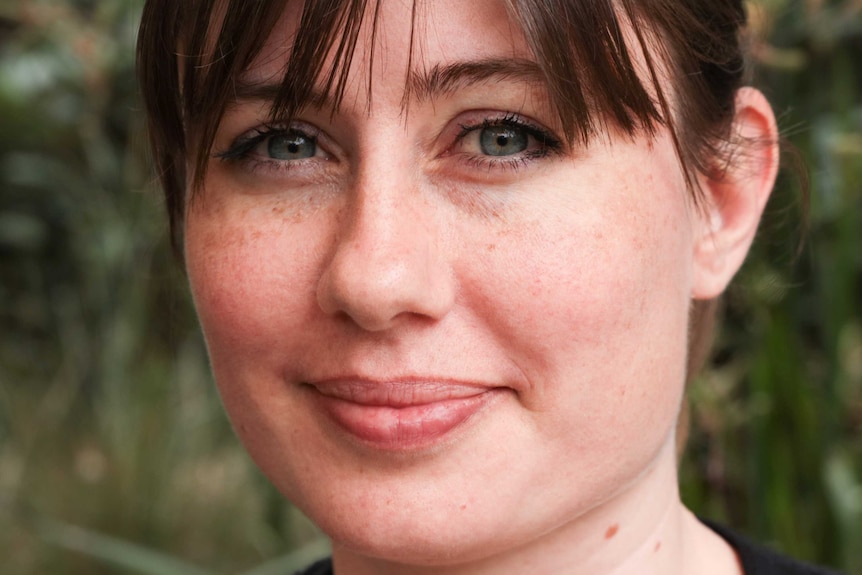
{"x":388,"y":261}
{"x":377,"y":234}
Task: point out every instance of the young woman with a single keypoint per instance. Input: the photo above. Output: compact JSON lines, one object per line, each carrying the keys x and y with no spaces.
{"x":454,"y":261}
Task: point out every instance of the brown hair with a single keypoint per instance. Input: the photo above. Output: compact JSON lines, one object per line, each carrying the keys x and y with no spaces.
{"x":190,"y":53}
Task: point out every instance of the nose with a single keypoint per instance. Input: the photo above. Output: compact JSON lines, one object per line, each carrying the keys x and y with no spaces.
{"x":388,"y":262}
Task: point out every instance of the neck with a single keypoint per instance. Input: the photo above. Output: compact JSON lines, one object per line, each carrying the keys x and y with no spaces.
{"x":644,"y":530}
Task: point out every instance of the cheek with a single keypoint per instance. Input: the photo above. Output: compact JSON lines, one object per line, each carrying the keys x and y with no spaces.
{"x":594,"y":312}
{"x":253,"y":290}
{"x":251,"y":282}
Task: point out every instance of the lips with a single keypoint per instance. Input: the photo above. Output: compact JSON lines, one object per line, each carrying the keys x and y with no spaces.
{"x":400,"y":415}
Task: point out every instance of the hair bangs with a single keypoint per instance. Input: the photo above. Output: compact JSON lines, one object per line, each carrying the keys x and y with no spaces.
{"x":317,"y":68}
{"x":604,"y":63}
{"x":589,"y":70}
{"x":192,"y":53}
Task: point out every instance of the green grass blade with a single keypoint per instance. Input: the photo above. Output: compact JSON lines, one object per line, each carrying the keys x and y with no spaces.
{"x":117,"y":552}
{"x":292,"y":562}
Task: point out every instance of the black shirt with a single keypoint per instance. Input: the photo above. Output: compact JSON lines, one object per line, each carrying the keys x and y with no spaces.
{"x":755,"y":559}
{"x":758,"y":560}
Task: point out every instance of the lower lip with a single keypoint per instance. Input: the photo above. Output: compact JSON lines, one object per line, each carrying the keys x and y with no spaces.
{"x":407,"y":428}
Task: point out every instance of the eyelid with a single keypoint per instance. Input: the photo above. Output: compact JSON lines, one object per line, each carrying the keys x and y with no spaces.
{"x":246,"y":151}
{"x":514,"y":120}
{"x":548,"y":142}
{"x":459,"y":158}
{"x":243,"y":146}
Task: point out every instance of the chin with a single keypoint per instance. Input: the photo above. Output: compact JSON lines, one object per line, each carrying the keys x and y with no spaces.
{"x":411,"y":521}
{"x":419,"y":541}
{"x":407,"y":518}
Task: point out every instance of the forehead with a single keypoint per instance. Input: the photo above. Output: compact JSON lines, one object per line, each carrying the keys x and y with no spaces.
{"x":587,"y":55}
{"x":398,"y":39}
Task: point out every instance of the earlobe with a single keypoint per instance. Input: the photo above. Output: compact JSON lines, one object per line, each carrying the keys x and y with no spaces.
{"x":734,"y":201}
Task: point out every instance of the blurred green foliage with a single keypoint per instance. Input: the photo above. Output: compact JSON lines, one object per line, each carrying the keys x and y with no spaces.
{"x":776,"y":445}
{"x":114,"y":454}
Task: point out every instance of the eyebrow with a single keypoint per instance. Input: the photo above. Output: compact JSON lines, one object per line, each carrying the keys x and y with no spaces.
{"x":443,"y":80}
{"x":436,"y":82}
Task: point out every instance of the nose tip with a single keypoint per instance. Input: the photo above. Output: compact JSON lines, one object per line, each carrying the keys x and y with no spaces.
{"x":388,"y":268}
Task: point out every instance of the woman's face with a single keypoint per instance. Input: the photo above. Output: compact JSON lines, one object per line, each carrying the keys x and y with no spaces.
{"x":438,"y":327}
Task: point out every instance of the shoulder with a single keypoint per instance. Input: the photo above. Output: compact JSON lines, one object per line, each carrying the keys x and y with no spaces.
{"x":322,"y":567}
{"x":759,"y":560}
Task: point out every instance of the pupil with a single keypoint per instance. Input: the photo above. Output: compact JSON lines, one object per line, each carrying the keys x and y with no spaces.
{"x":291,"y":146}
{"x":503,"y":140}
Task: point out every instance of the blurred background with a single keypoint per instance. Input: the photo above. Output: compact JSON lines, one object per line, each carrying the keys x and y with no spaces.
{"x":115,"y":456}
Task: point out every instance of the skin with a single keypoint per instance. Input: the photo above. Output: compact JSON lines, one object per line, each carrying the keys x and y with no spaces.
{"x":558,"y":286}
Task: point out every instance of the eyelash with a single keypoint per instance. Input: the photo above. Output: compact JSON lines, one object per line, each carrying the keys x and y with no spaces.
{"x":242,"y":150}
{"x":548,"y":144}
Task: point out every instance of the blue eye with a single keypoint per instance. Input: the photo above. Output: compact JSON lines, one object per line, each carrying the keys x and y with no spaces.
{"x":503,"y":140}
{"x":291,"y":145}
{"x":274,"y":144}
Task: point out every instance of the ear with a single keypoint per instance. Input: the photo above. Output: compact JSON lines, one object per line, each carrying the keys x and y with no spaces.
{"x":735,"y":199}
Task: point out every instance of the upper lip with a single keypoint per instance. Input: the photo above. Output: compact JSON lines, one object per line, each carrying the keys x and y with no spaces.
{"x":404,"y":392}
